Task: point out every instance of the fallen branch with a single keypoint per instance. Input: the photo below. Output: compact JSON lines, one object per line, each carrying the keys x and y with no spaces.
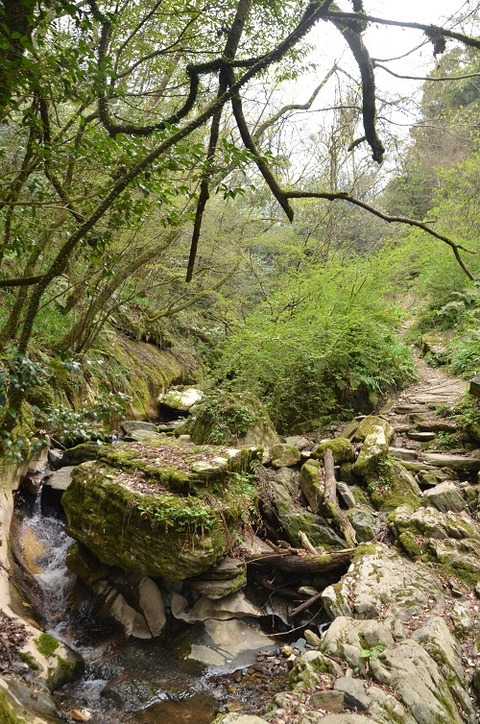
{"x":330,"y":501}
{"x":302,"y":564}
{"x":306,"y":604}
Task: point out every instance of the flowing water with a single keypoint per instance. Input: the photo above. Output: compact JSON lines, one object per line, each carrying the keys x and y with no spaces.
{"x":123,"y":680}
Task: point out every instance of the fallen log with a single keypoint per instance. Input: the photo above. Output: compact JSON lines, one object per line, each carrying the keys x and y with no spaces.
{"x":302,"y":562}
{"x":330,"y":502}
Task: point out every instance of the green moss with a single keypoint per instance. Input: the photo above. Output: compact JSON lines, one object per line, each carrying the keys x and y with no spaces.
{"x":47,"y":644}
{"x":392,"y":486}
{"x":63,"y":672}
{"x":365,"y":549}
{"x":7,"y":712}
{"x":342,"y":449}
{"x":29,"y":660}
{"x":409,"y":543}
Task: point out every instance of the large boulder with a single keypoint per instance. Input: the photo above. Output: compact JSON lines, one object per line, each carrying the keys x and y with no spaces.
{"x":229,"y":418}
{"x":375,"y":433}
{"x":169,"y":510}
{"x":381,"y":583}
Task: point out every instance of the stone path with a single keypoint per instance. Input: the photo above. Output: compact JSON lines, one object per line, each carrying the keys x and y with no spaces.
{"x":426,"y":437}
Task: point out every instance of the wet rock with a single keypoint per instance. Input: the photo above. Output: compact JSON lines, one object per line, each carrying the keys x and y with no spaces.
{"x":445,"y":496}
{"x":229,"y":644}
{"x":60,"y":479}
{"x":138,"y":606}
{"x":381,"y":581}
{"x":55,"y":458}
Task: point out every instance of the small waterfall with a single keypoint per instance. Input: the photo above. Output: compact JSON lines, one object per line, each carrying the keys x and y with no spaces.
{"x":45,"y":542}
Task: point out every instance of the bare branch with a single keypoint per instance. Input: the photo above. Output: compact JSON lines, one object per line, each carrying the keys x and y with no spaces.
{"x":344,"y":196}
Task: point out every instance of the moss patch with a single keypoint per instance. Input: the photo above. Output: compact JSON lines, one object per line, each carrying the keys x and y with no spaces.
{"x":47,"y":644}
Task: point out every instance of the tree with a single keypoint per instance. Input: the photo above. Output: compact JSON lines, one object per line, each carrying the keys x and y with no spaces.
{"x":107,"y":118}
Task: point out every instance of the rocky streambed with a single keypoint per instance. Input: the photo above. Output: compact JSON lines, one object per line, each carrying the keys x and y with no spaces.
{"x":374,"y":531}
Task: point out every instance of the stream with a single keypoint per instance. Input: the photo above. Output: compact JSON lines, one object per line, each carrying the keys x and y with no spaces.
{"x":126,"y":680}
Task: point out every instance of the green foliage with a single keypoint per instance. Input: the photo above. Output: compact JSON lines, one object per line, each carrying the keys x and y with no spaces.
{"x":47,"y":644}
{"x":225,"y":415}
{"x":180,"y":514}
{"x":372,"y":652}
{"x":322,"y":345}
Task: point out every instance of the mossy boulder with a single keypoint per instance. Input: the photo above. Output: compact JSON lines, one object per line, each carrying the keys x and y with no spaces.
{"x":227,"y":418}
{"x":311,"y":483}
{"x":375,"y":433}
{"x":342,"y":449}
{"x":167,"y":511}
{"x":391,"y":485}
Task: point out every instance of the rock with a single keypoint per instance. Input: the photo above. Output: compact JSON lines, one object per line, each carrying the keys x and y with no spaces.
{"x":381,"y":581}
{"x":221,"y":580}
{"x":179,"y":399}
{"x":461,"y":618}
{"x":412,"y":673}
{"x":459,"y":463}
{"x":129,"y":426}
{"x":299,"y":441}
{"x":327,"y":700}
{"x":445,"y":496}
{"x":284,"y":455}
{"x":295,"y":519}
{"x":346,"y":494}
{"x":436,"y":638}
{"x":342,"y":449}
{"x":136,"y":604}
{"x":364,"y":522}
{"x":376,"y":434}
{"x":144,"y":436}
{"x":317,"y":718}
{"x":236,"y":718}
{"x":157,"y":510}
{"x":287,"y":477}
{"x":355,"y":696}
{"x":437,"y":425}
{"x":312,"y":483}
{"x":370,"y":426}
{"x":229,"y":643}
{"x":81,"y":453}
{"x":60,"y":479}
{"x":82,"y":715}
{"x":393,"y":485}
{"x":234,"y":606}
{"x":311,"y":638}
{"x":350,"y":429}
{"x":55,"y":458}
{"x":356,"y":642}
{"x":420,"y":436}
{"x":402,"y":453}
{"x":310,"y":669}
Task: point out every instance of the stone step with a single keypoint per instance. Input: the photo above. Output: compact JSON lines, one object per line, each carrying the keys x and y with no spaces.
{"x":437,"y":425}
{"x":402,"y":453}
{"x":461,"y":463}
{"x":422,"y":436}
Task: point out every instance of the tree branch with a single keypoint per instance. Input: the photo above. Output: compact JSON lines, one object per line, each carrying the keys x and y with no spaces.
{"x":344,"y":196}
